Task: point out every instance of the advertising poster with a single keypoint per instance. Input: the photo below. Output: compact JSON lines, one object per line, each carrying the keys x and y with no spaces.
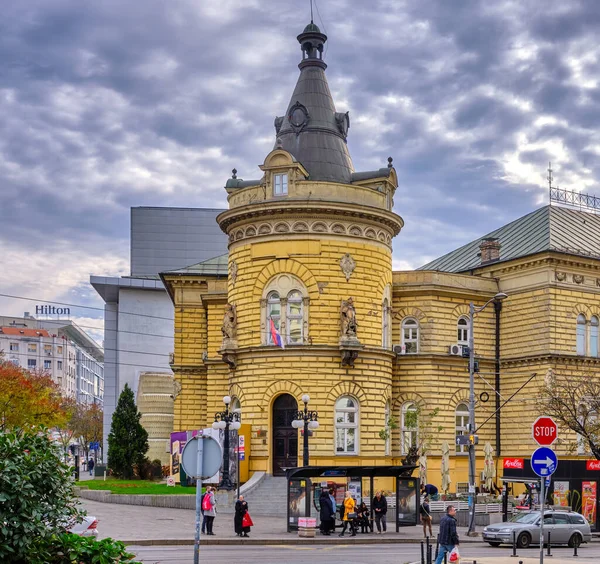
{"x":561,"y":494}
{"x":407,"y":501}
{"x":297,"y":507}
{"x":178,"y":441}
{"x":355,"y":488}
{"x":588,"y":501}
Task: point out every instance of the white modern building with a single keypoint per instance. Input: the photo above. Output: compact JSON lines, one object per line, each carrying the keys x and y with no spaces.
{"x":138,"y":314}
{"x":61,"y":348}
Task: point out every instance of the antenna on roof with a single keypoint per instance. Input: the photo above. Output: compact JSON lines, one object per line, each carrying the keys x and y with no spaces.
{"x":550,"y":179}
{"x":311,"y":11}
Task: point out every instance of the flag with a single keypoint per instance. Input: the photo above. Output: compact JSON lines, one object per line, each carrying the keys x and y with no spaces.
{"x":275,"y":335}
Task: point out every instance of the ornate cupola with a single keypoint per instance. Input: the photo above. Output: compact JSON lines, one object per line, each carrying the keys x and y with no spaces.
{"x":311,"y":130}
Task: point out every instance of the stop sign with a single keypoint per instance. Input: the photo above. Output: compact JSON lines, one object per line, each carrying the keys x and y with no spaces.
{"x":544,"y":430}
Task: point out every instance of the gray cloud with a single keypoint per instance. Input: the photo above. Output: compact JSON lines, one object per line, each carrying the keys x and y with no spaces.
{"x":107,"y":105}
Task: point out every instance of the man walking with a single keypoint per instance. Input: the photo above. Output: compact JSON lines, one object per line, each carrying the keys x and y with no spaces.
{"x":379,"y":506}
{"x":91,"y":464}
{"x":448,"y":535}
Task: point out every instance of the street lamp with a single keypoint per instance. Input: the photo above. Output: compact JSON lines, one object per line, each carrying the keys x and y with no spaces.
{"x":224,"y":420}
{"x":308,"y":420}
{"x":472,"y":498}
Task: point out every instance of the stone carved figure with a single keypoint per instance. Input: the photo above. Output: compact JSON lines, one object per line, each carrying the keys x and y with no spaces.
{"x":229,"y":322}
{"x":348,"y":318}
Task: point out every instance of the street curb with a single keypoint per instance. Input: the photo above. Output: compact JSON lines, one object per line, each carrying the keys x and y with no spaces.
{"x":274,"y":542}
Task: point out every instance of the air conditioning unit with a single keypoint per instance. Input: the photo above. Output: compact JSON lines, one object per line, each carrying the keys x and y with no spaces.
{"x":400,"y":349}
{"x":455,"y":350}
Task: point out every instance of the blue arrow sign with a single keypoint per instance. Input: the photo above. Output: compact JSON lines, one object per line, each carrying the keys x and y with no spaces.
{"x":544,"y":462}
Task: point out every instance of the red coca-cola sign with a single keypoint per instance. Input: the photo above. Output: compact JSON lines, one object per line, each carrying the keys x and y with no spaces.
{"x":592,"y":464}
{"x":516,"y":463}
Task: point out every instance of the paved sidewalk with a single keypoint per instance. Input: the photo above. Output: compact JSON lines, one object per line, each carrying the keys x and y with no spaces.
{"x":160,"y":526}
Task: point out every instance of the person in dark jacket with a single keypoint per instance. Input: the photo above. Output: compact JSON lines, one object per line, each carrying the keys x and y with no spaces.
{"x":241,"y":508}
{"x":448,"y":537}
{"x":326,"y":513}
{"x":379,"y":507}
{"x":426,"y":517}
{"x":363,"y":518}
{"x":91,"y":464}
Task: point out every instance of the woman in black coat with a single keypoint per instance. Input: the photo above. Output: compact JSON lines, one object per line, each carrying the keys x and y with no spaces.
{"x":326,"y":513}
{"x":241,"y":507}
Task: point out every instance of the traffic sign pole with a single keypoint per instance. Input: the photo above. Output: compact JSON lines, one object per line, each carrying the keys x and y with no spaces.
{"x":542,"y":499}
{"x":199,"y":466}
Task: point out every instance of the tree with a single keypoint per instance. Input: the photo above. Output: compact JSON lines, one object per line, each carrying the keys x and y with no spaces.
{"x":128,"y":440}
{"x":37,"y":499}
{"x":420,"y":423}
{"x":86,"y":424}
{"x":29,"y":398}
{"x":574,"y":403}
{"x":65,"y":432}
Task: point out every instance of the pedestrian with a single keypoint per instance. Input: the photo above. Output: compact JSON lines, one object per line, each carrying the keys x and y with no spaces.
{"x":241,"y":521}
{"x":429,"y":490}
{"x":202,"y":510}
{"x":448,"y":537}
{"x":426,"y":517}
{"x":363,"y":518}
{"x":208,"y":504}
{"x":349,"y":517}
{"x":379,"y":507}
{"x":91,"y":465}
{"x":334,"y":505}
{"x":325,"y":513}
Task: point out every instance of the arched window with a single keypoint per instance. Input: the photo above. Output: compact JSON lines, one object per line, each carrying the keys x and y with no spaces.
{"x":346,"y":425}
{"x":462,"y":420}
{"x":463,"y":331}
{"x":285,"y":301}
{"x":235,"y":406}
{"x":410,"y":427}
{"x":274,"y":314}
{"x":594,"y":336}
{"x":385,"y":324}
{"x":581,"y":334}
{"x":410,"y":335}
{"x":388,"y":436}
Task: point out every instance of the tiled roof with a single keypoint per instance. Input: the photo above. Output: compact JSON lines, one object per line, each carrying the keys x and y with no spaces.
{"x":550,"y":228}
{"x":24,"y":332}
{"x":216,"y":266}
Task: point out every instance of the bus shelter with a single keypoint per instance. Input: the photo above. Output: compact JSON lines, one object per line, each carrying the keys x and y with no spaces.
{"x":304,"y":488}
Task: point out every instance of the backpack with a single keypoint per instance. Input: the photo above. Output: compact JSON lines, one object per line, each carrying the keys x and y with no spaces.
{"x":206,"y":506}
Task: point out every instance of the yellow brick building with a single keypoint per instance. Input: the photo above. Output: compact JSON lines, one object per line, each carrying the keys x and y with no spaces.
{"x":310,"y":258}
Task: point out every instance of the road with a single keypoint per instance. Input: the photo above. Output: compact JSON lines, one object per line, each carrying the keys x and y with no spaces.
{"x":359,"y":554}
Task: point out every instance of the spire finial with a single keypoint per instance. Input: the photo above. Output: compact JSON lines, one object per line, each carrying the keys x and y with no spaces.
{"x":234,"y":173}
{"x":390,"y":161}
{"x":311,"y":11}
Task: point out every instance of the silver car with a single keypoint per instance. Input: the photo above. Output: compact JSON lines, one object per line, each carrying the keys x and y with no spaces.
{"x":565,"y":527}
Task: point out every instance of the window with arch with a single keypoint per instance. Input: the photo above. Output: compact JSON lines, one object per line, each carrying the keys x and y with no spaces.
{"x":409,"y":434}
{"x":346,"y":425}
{"x":581,"y":326}
{"x":462,"y":329}
{"x":235,"y":406}
{"x":285,"y":302}
{"x":594,"y":336}
{"x":462,"y":420}
{"x":410,"y":335}
{"x":388,"y":428}
{"x":385,"y":323}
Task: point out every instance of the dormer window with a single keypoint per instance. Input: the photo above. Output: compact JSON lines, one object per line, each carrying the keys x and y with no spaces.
{"x":280,"y":184}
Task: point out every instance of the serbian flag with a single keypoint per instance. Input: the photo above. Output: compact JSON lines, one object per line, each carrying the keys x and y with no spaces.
{"x":275,"y":335}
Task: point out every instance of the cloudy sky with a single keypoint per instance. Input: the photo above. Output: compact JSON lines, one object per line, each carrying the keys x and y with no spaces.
{"x":108,"y":104}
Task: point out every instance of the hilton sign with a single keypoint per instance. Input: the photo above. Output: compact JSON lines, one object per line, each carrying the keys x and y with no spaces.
{"x":52,"y":310}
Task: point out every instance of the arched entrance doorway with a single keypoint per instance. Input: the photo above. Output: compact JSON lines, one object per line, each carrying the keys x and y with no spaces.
{"x":285,"y":437}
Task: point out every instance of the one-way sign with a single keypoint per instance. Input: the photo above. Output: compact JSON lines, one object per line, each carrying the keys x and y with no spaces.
{"x":544,"y":462}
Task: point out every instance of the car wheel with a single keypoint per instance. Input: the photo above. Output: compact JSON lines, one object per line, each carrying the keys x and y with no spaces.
{"x":524,"y":540}
{"x":575,"y":540}
{"x":494,"y":544}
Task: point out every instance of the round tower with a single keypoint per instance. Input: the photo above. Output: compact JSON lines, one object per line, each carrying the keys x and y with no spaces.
{"x":309,"y":291}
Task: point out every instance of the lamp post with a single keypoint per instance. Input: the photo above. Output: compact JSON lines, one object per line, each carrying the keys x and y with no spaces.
{"x":308,"y":420}
{"x":224,"y":420}
{"x":472,"y":498}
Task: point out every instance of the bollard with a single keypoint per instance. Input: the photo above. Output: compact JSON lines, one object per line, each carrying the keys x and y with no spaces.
{"x":422,"y":553}
{"x":446,"y":558}
{"x":514,"y":554}
{"x":575,"y":550}
{"x":429,"y":559}
{"x":549,"y":553}
{"x":437,"y":545}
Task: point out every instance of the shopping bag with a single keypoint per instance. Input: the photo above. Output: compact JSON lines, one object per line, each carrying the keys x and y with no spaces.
{"x":454,"y":555}
{"x":246,"y":520}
